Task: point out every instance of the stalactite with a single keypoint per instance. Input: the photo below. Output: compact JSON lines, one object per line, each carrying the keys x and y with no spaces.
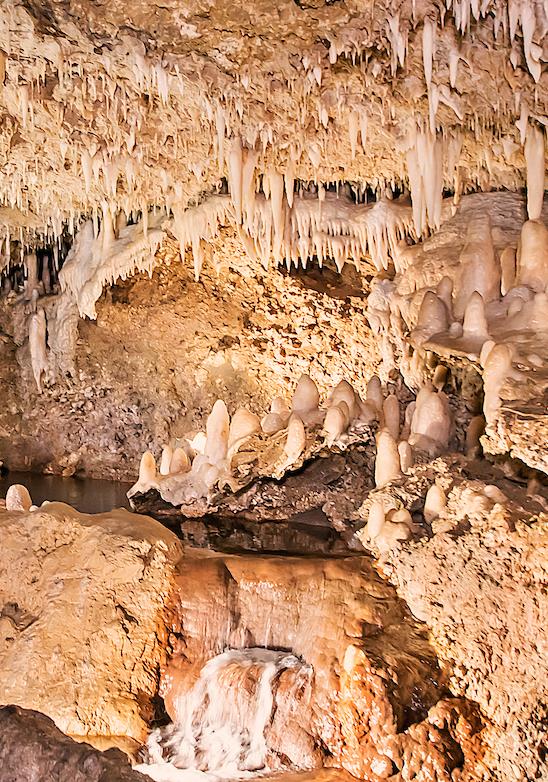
{"x":534,"y":157}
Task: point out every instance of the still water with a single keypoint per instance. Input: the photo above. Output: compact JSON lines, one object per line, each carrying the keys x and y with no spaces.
{"x":85,"y":494}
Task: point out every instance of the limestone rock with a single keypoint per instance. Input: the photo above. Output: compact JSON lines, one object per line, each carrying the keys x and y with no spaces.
{"x":83,"y":605}
{"x":478,"y":584}
{"x":376,"y":688}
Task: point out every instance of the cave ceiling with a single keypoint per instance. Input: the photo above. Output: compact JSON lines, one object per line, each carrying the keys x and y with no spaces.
{"x":109,"y":106}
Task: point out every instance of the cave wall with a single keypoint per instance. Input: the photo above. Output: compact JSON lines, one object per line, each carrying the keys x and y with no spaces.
{"x":162,"y":350}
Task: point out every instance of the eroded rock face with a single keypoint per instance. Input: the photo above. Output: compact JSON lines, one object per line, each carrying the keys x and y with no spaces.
{"x":83,"y":616}
{"x":378,"y":702}
{"x":240,"y":335}
{"x":33,"y":748}
{"x":476,"y":576}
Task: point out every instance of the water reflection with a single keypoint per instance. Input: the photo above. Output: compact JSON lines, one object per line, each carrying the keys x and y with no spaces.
{"x":85,"y":494}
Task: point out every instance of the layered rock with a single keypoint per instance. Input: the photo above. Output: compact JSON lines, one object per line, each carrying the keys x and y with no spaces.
{"x":83,"y":617}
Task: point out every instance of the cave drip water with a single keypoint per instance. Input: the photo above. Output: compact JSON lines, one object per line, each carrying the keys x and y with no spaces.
{"x":221,"y":722}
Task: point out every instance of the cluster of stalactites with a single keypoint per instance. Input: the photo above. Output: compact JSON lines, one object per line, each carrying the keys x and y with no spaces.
{"x":127,"y":155}
{"x":278,"y":226}
{"x":506,"y":18}
{"x":102,"y":255}
{"x":275,"y":224}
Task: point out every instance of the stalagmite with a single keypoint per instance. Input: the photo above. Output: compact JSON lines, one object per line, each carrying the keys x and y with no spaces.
{"x":534,"y":158}
{"x":444,"y":291}
{"x":431,"y":423}
{"x":391,"y":415}
{"x":479,"y":270}
{"x":433,"y":318}
{"x":507,"y":269}
{"x":305,"y":397}
{"x":387,"y":460}
{"x":397,"y":527}
{"x":277,"y":418}
{"x":165,"y":461}
{"x":532,"y":256}
{"x":475,"y":323}
{"x":243,"y":425}
{"x":148,"y":475}
{"x":375,"y":520}
{"x":37,"y":346}
{"x":217,"y":431}
{"x":204,"y":474}
{"x":368,"y":412}
{"x":296,"y":440}
{"x":434,"y":503}
{"x":180,"y":462}
{"x":402,"y":516}
{"x":46,"y":277}
{"x":335,"y":423}
{"x":496,"y":368}
{"x":198,"y":442}
{"x":18,"y":498}
{"x":374,"y":393}
{"x":344,"y":392}
{"x":406,"y":456}
{"x":474,"y":431}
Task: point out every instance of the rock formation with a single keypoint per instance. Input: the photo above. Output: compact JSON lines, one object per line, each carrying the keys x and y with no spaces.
{"x":84,"y":608}
{"x":283,"y":267}
{"x":372,"y":704}
{"x":31,"y":747}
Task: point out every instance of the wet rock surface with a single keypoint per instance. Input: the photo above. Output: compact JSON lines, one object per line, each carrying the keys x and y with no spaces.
{"x":305,"y":512}
{"x":426,"y":658}
{"x":378,"y":705}
{"x":32,"y":749}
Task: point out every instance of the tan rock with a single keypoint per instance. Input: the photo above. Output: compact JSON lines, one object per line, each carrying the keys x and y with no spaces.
{"x":84,"y":606}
